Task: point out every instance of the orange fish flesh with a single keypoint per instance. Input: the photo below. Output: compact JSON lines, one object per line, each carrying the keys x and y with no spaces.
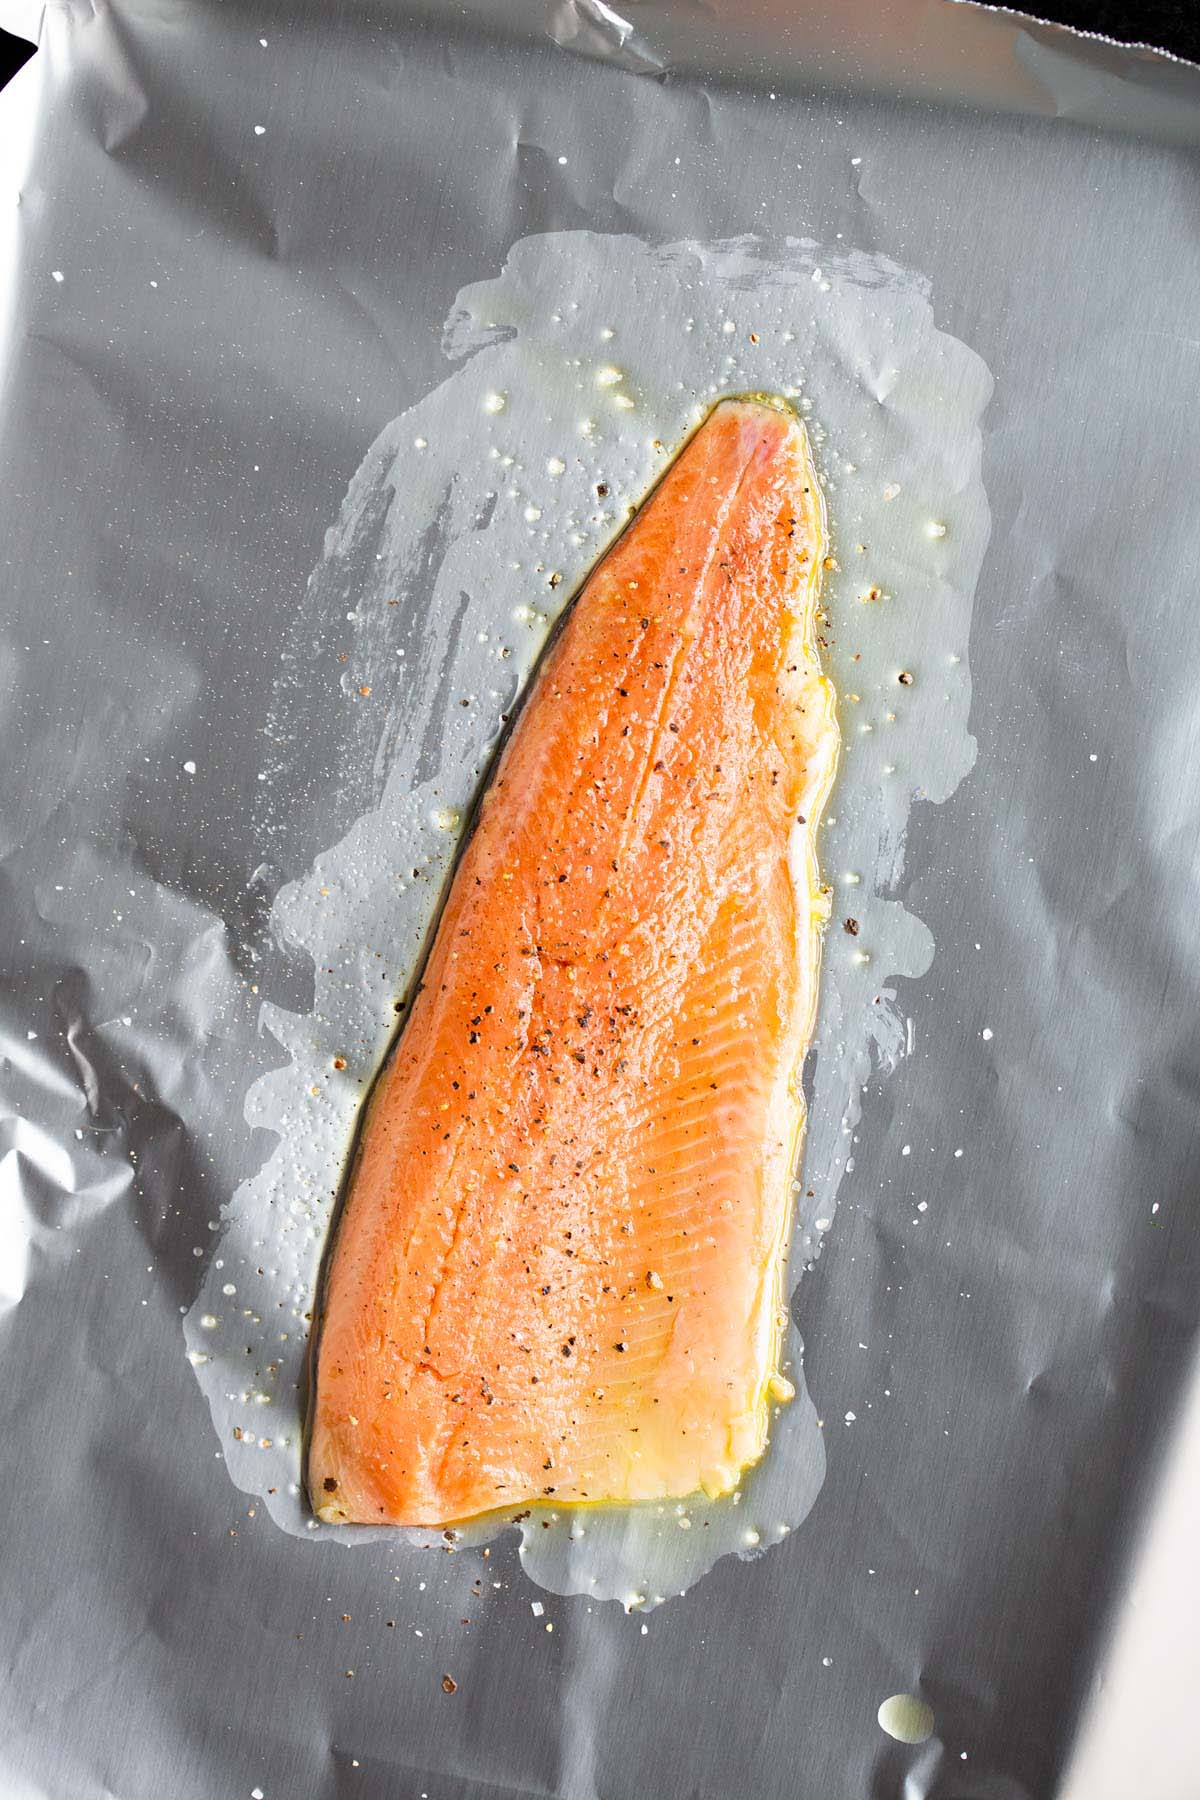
{"x":558,"y":1271}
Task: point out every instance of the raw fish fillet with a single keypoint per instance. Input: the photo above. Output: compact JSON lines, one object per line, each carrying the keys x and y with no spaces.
{"x":558,"y":1270}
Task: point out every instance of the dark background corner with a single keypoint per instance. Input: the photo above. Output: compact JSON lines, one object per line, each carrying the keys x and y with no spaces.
{"x":14,"y":54}
{"x":1168,"y":24}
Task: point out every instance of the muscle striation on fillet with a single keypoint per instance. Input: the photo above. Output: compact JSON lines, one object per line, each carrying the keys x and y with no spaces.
{"x":558,"y":1271}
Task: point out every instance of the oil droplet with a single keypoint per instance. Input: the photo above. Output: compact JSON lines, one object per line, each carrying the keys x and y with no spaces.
{"x":495,"y":403}
{"x":607,"y":332}
{"x":851,"y":879}
{"x":781,"y":1389}
{"x":446,"y":818}
{"x":208,"y":1321}
{"x":555,"y":466}
{"x":906,"y":1718}
{"x":420,"y":443}
{"x":608,"y":376}
{"x":623,"y":401}
{"x":891,"y":490}
{"x":533,"y":514}
{"x":935,"y":529}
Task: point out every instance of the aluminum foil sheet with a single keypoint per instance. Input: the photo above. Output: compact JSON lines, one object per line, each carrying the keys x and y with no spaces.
{"x":233,"y":236}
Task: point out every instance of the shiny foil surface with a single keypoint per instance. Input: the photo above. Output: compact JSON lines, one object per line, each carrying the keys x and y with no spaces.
{"x":230,"y":239}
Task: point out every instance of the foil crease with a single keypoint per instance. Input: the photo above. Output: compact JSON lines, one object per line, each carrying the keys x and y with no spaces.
{"x":226,"y":264}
